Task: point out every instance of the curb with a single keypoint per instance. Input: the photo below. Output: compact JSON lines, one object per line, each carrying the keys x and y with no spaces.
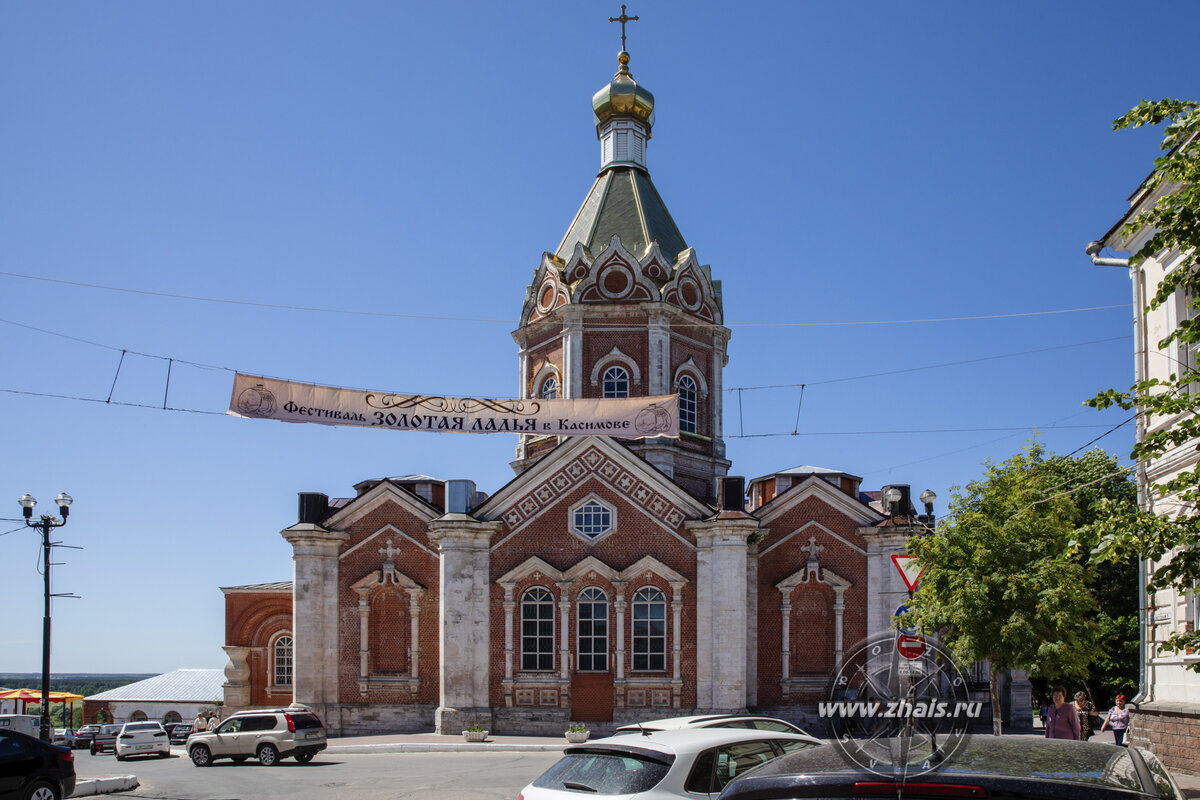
{"x":122,"y":783}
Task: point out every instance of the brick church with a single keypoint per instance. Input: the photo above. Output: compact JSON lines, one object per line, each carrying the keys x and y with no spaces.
{"x":611,"y":580}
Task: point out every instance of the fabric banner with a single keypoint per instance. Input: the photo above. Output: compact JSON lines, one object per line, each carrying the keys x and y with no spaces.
{"x":288,"y":401}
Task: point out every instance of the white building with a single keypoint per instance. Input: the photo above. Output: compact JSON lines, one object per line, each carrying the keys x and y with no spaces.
{"x":1167,"y":717}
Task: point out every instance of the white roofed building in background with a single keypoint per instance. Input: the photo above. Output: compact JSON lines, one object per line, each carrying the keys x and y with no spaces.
{"x":171,"y":697}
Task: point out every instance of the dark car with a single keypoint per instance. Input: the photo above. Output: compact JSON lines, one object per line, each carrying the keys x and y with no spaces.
{"x":31,"y":769}
{"x":981,"y":766}
{"x":180,"y":732}
{"x":105,"y":739}
{"x":83,"y":736}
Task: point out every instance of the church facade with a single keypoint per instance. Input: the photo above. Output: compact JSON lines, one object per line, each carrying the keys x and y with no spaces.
{"x":611,"y":580}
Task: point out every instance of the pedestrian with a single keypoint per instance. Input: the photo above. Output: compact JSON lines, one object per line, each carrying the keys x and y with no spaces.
{"x":1118,"y":720}
{"x":199,"y":724}
{"x":1086,"y":710}
{"x":1062,"y":721}
{"x":1042,"y":712}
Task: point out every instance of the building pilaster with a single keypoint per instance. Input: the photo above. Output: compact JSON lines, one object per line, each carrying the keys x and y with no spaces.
{"x":464,"y":621}
{"x":722,"y":558}
{"x":315,"y":614}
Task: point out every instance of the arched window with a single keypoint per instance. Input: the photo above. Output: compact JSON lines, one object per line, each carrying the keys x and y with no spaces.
{"x":649,"y":630}
{"x":592,"y":630}
{"x":537,"y":629}
{"x":550,"y":388}
{"x":282,"y":661}
{"x":137,"y":716}
{"x":616,"y":382}
{"x":687,"y":404}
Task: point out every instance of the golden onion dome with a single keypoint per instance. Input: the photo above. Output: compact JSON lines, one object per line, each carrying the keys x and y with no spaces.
{"x":623,"y":96}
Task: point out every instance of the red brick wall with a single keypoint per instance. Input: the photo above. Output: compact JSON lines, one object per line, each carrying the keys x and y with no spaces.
{"x":415,"y":556}
{"x":548,"y":537}
{"x":254,"y":619}
{"x":812,"y":616}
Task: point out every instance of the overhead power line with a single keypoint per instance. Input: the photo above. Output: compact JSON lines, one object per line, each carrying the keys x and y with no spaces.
{"x":594,"y":326}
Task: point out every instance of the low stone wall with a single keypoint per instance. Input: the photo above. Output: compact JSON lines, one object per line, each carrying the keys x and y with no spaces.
{"x":356,"y":720}
{"x":1169,"y":730}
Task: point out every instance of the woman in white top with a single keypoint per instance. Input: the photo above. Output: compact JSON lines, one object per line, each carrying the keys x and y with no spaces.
{"x":1118,"y":720}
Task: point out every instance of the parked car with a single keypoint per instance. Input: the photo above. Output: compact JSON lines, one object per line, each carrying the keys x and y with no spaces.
{"x":104,"y":740}
{"x":142,"y":739}
{"x":65,"y":737}
{"x":83,"y":736}
{"x":982,"y":766}
{"x":28,"y":724}
{"x":713,"y":721}
{"x":267,"y":734}
{"x":662,"y":764}
{"x":31,"y":769}
{"x":179,"y":732}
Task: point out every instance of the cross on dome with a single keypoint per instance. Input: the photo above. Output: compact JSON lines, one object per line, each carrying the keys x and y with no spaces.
{"x":623,"y":19}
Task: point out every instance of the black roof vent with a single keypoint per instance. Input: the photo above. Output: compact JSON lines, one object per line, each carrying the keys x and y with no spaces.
{"x":314,"y":507}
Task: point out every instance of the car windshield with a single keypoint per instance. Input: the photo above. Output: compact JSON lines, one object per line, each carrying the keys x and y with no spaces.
{"x":603,"y":773}
{"x":145,"y":726}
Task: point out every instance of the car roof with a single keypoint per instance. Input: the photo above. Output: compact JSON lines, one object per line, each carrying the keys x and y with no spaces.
{"x":671,"y":723}
{"x":684,"y":741}
{"x":980,"y":758}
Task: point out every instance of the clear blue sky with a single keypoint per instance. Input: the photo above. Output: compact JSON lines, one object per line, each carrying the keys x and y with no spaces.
{"x":832,"y":162}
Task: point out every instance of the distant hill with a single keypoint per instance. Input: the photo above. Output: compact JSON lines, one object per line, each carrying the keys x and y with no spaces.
{"x":83,"y":683}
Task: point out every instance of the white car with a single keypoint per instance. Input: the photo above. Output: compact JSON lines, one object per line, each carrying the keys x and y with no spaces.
{"x":713,"y":721}
{"x":663,"y":764}
{"x":142,"y":739}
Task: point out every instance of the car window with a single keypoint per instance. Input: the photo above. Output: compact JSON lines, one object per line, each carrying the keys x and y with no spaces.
{"x":776,"y":725}
{"x":733,"y":723}
{"x":306,"y":721}
{"x":232,"y":725}
{"x":735,"y":759}
{"x":145,"y":726}
{"x":603,"y":773}
{"x":1162,"y":779}
{"x":11,"y":746}
{"x":699,"y":780}
{"x":792,"y":745}
{"x":257,"y":724}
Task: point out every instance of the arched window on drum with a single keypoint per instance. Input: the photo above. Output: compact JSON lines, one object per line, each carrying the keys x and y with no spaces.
{"x":687,"y":404}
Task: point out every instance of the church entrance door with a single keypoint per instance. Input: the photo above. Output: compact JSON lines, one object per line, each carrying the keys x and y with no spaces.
{"x":592,"y":680}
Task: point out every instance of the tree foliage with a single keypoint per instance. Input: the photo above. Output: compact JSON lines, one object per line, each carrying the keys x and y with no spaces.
{"x":1000,"y":584}
{"x":1174,"y":222}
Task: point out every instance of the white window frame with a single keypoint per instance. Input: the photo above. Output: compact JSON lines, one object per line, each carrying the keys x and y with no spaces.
{"x":586,"y":532}
{"x":541,"y":599}
{"x":689,"y":403}
{"x":645,"y":601}
{"x":549,"y":388}
{"x":276,"y":684}
{"x":592,"y":598}
{"x":611,"y":376}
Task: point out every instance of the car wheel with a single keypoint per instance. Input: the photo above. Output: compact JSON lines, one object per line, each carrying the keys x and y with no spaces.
{"x":164,"y":754}
{"x":268,"y":756}
{"x":118,"y":755}
{"x":201,"y":756}
{"x":304,"y":758}
{"x":42,"y":791}
{"x":239,"y":759}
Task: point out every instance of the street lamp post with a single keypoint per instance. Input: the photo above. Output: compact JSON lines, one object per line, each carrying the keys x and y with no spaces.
{"x":45,"y":524}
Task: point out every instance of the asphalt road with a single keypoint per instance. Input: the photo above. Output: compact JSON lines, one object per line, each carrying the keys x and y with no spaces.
{"x":395,"y":776}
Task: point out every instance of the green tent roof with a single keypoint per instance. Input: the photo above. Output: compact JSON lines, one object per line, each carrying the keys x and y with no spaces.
{"x":623,"y":202}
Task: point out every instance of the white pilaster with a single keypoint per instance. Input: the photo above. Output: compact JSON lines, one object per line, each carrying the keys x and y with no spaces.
{"x":464,"y":620}
{"x":573,"y":354}
{"x":315,"y":613}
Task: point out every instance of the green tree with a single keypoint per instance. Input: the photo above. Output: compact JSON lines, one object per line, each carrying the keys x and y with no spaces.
{"x":1174,"y":219}
{"x":1097,"y":483}
{"x":1001,"y":580}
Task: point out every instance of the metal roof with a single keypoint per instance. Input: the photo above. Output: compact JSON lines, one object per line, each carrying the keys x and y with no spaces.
{"x":182,"y":685}
{"x":623,"y":202}
{"x":277,"y":586}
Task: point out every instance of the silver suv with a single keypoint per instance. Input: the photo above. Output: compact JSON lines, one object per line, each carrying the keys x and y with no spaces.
{"x":268,"y":734}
